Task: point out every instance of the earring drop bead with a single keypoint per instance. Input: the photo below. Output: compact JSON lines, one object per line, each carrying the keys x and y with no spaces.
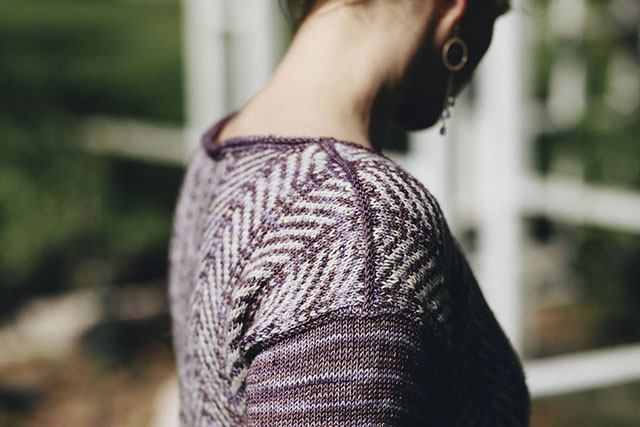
{"x":446,"y":112}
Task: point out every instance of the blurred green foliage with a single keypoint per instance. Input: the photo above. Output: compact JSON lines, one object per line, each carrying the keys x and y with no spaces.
{"x":604,"y":156}
{"x":49,"y":195}
{"x":604,"y":141}
{"x":607,"y":265}
{"x":91,"y":56}
{"x":68,"y":217}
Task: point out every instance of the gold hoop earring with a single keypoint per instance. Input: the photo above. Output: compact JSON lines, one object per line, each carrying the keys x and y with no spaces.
{"x":446,"y":50}
{"x":449,"y":100}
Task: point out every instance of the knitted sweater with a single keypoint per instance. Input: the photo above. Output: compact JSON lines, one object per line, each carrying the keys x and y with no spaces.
{"x":315,"y":282}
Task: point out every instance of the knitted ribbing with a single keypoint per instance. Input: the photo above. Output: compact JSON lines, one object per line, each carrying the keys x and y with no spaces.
{"x":315,"y":282}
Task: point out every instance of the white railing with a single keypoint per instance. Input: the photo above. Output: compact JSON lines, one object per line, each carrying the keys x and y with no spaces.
{"x":136,"y":139}
{"x":571,"y":200}
{"x":583,"y":370}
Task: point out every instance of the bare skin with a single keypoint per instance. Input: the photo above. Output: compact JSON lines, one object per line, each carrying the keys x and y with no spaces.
{"x":350,"y":68}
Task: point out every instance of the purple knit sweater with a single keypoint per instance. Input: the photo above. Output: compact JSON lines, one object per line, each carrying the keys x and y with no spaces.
{"x":315,"y":282}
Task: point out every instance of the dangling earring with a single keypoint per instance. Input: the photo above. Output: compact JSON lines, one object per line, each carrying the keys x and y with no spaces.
{"x":449,"y":100}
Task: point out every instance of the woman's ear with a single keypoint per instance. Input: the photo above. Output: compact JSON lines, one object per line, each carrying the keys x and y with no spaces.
{"x":449,"y":13}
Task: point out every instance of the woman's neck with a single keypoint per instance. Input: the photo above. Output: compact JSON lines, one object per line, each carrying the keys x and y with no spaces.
{"x":339,"y":78}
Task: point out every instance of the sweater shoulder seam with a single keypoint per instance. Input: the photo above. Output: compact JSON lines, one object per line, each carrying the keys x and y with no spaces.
{"x":251,"y":349}
{"x":365,"y":212}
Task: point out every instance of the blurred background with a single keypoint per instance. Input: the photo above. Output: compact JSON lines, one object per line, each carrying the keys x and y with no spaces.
{"x":102,"y":101}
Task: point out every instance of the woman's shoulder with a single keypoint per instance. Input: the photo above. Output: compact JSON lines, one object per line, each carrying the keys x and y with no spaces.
{"x":369,"y":194}
{"x":354,"y":231}
{"x":394,"y":196}
{"x":410,"y":239}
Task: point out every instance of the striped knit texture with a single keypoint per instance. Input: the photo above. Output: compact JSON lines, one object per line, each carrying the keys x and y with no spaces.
{"x":315,"y":282}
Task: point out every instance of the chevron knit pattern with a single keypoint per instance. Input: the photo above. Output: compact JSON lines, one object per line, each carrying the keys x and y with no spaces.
{"x":314,"y":282}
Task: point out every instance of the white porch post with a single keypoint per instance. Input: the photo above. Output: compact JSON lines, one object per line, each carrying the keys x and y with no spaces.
{"x":500,"y":139}
{"x":205,"y":89}
{"x":254,"y":26}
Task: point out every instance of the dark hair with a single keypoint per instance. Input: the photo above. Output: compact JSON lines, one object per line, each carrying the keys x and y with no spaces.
{"x":297,"y":10}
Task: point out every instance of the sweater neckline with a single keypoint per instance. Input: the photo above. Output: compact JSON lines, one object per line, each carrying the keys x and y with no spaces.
{"x":216,"y":148}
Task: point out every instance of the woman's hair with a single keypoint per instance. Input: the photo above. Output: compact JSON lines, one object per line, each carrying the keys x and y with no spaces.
{"x":297,"y":10}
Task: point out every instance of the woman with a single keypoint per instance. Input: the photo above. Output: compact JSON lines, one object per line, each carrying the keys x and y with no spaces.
{"x":312,"y":280}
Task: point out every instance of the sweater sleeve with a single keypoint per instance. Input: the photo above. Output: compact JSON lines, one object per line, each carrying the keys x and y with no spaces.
{"x":347,"y":371}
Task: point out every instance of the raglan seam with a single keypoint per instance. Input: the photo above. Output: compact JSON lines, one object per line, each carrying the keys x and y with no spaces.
{"x":365,"y":212}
